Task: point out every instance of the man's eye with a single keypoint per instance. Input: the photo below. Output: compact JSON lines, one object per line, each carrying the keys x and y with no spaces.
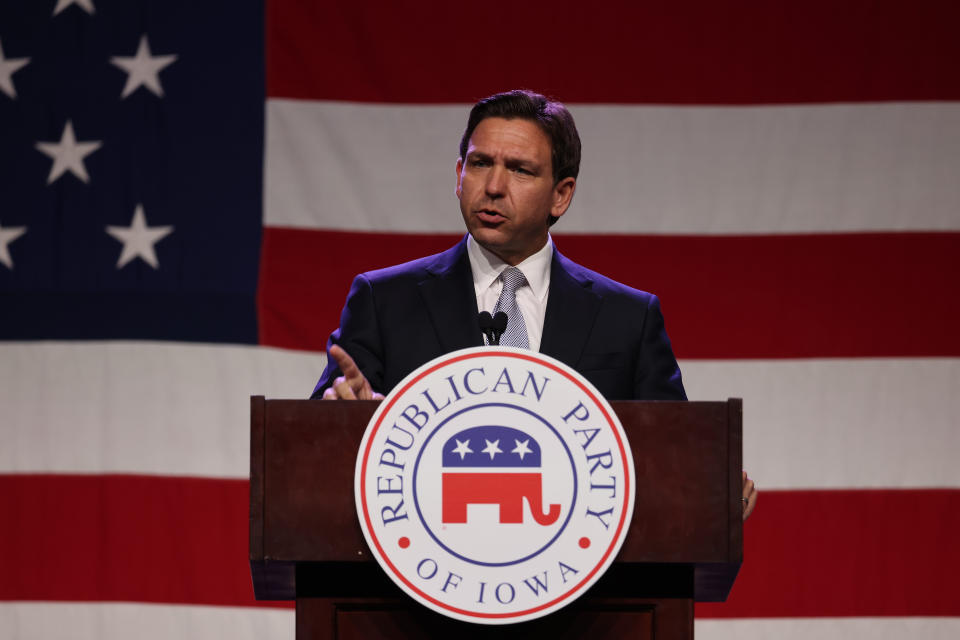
{"x":523,"y":171}
{"x":478,"y":163}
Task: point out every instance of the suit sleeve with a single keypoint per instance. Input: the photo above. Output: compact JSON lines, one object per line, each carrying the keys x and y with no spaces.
{"x":657,"y":375}
{"x":359,"y":335}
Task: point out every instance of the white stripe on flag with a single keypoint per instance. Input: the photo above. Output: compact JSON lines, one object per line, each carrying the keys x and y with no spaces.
{"x":827,"y":628}
{"x":140,"y":407}
{"x":645,"y":169}
{"x":116,"y":621}
{"x":841,"y":423}
{"x":109,"y":621}
{"x":178,"y":409}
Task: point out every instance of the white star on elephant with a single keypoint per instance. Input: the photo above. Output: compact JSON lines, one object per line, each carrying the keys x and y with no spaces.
{"x":463,"y":448}
{"x":493,"y":448}
{"x":522,"y":449}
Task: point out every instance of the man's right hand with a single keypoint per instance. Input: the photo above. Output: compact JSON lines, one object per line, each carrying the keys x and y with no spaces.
{"x":352,"y":385}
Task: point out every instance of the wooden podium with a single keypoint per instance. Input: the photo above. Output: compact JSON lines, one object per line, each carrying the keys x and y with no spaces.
{"x":684,"y":543}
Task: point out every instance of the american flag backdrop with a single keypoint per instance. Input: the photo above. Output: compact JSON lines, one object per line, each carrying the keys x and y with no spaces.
{"x":187,"y":189}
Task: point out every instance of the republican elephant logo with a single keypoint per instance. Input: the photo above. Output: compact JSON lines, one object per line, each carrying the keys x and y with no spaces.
{"x":494,"y":465}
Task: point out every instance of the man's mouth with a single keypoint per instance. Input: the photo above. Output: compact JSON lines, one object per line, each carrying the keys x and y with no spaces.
{"x":490,"y":216}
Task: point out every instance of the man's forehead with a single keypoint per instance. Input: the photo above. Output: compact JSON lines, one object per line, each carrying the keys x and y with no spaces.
{"x":514,"y":136}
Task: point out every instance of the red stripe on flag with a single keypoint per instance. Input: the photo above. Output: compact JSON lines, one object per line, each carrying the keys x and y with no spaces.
{"x":125,"y":538}
{"x":848,"y":553}
{"x":184,"y":540}
{"x":832,"y":295}
{"x":305,"y":276}
{"x":666,"y":52}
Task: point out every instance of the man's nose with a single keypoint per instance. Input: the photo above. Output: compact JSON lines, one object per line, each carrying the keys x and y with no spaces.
{"x":496,"y":182}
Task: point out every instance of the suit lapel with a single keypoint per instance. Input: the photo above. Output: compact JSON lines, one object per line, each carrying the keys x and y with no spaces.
{"x":571,"y":310}
{"x":450,"y":300}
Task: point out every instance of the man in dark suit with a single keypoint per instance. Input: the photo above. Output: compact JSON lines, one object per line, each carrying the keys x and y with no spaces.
{"x":516,"y":176}
{"x":398,"y":318}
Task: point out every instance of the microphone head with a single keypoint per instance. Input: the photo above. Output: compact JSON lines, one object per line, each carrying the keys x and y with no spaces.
{"x":500,"y":322}
{"x":485,"y":321}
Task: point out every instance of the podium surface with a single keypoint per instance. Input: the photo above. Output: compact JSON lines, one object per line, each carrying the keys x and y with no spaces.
{"x":684,"y":543}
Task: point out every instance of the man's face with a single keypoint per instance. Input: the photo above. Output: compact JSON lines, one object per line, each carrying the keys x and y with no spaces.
{"x":506,"y":190}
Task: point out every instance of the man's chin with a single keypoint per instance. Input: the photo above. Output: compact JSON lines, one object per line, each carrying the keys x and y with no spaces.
{"x":496,"y":244}
{"x":490,"y":238}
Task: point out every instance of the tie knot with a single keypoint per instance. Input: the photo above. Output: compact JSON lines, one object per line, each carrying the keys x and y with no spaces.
{"x":512,"y":279}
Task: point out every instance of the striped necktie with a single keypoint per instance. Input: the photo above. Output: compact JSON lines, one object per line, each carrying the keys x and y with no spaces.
{"x":516,"y":333}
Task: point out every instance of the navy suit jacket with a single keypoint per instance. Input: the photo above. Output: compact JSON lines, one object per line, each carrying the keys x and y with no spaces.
{"x":398,"y":318}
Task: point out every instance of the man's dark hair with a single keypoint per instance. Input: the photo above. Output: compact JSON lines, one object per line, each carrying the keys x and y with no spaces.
{"x":552,"y":117}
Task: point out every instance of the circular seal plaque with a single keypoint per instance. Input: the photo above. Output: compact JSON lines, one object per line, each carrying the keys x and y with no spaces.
{"x":494,"y":485}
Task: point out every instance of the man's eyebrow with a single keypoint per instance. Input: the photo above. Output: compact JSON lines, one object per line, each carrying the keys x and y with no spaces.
{"x":511,"y":162}
{"x":516,"y":162}
{"x":476,"y":153}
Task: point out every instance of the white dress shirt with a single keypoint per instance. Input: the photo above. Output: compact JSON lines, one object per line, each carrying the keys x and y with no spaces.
{"x":531,"y":298}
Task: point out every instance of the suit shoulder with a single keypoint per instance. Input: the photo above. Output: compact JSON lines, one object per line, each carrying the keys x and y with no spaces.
{"x":414,"y":270}
{"x":605,"y":286}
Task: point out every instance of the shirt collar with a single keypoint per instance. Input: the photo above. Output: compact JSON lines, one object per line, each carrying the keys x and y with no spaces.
{"x":486,"y":268}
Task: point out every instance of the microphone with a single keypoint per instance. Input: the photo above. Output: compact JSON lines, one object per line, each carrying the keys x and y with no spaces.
{"x":486,"y":326}
{"x":498,"y":327}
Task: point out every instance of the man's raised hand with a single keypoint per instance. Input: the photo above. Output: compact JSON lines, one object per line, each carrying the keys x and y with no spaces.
{"x":749,"y":495}
{"x":352,"y":385}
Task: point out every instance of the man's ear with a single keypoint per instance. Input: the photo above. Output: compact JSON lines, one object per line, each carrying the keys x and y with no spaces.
{"x":563,"y":196}
{"x":459,"y":188}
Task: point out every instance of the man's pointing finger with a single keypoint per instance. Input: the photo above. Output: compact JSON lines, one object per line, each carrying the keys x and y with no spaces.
{"x":345,"y":363}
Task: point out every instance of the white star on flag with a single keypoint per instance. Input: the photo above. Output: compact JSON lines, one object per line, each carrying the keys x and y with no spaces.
{"x":68,"y":154}
{"x":138,"y":239}
{"x":463,"y":448}
{"x":143,"y":69}
{"x":7,"y":236}
{"x":86,"y":5}
{"x":7,"y":69}
{"x":522,"y":449}
{"x":492,"y":448}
